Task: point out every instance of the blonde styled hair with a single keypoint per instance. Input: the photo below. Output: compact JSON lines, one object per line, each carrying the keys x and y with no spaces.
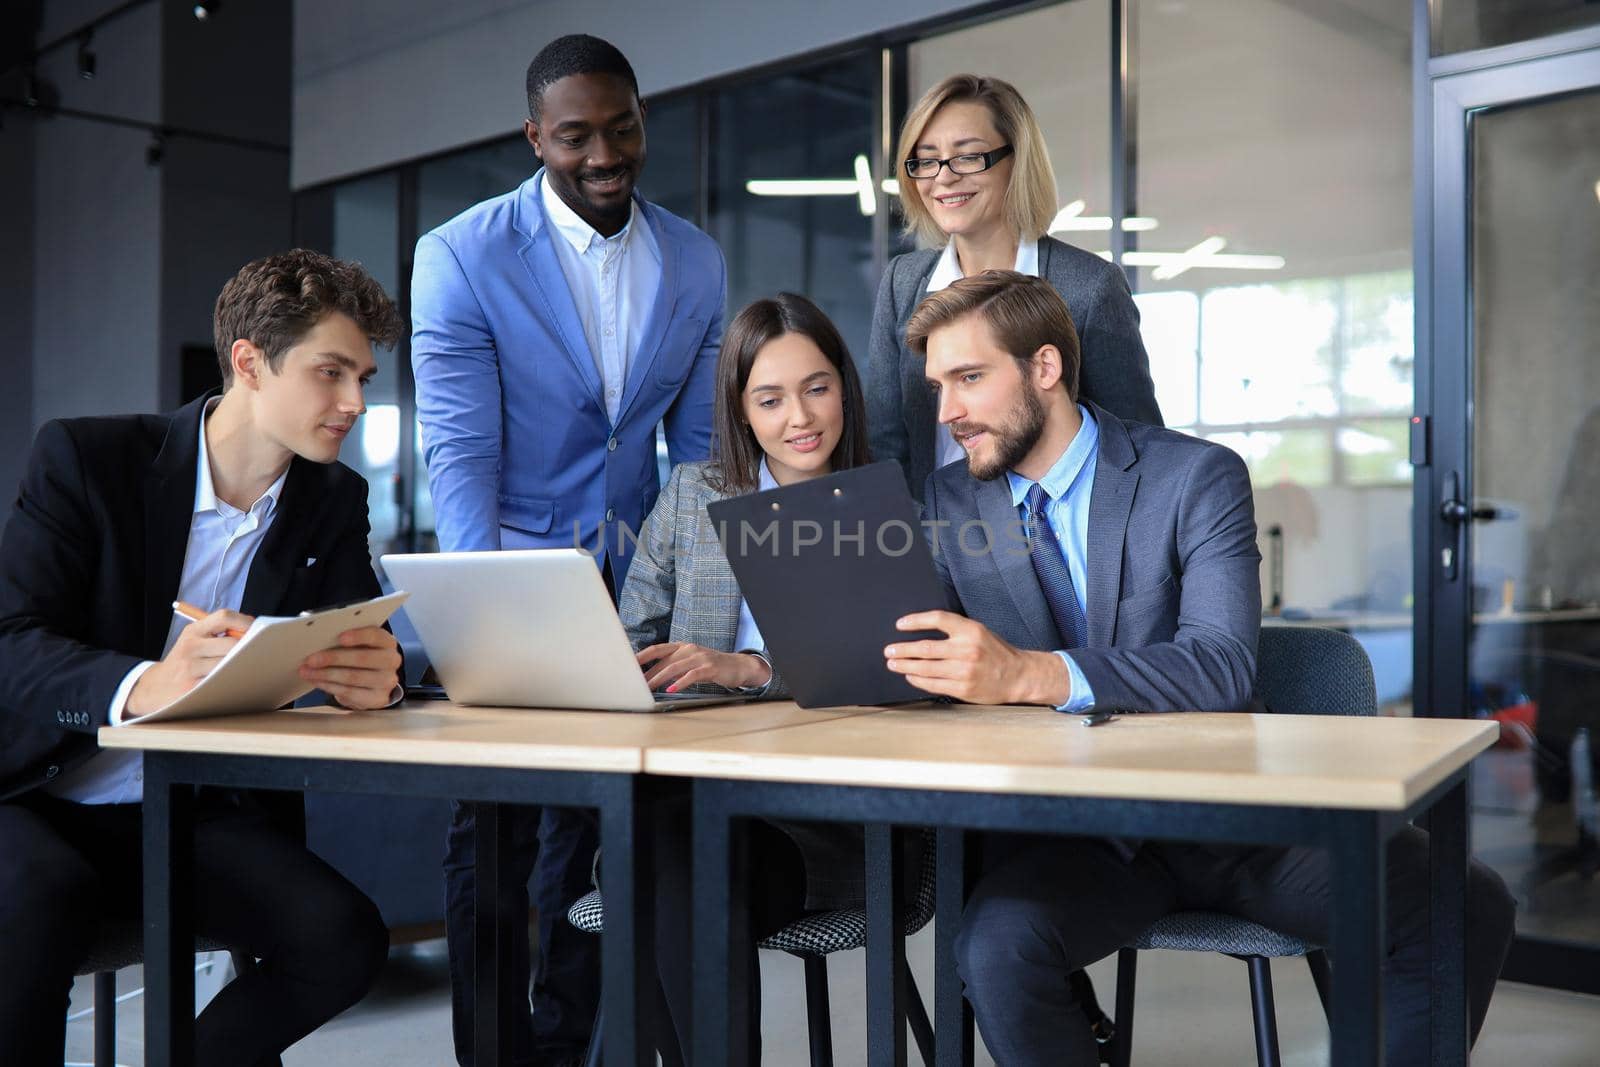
{"x":1030,"y":196}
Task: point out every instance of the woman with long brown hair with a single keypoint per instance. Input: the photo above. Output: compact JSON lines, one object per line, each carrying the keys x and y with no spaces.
{"x":788,"y":409}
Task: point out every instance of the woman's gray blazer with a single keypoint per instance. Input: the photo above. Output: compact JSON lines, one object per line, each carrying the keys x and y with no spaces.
{"x":1115,"y":371}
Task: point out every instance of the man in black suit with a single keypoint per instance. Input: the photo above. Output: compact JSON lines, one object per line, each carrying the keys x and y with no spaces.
{"x":1123,"y":575}
{"x":236,"y":505}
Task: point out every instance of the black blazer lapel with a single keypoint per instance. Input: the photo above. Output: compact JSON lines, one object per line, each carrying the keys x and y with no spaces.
{"x":168,"y":512}
{"x":1001,"y":522}
{"x":1114,"y":485}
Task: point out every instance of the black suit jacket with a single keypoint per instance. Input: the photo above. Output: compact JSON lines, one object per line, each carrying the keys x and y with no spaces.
{"x":91,"y":559}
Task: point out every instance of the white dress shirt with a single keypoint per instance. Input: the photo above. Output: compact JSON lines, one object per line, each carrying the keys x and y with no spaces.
{"x":946,"y":449}
{"x":216,"y":563}
{"x":613,"y":281}
{"x":749,"y":634}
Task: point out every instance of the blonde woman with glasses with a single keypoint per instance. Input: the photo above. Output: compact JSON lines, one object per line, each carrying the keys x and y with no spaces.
{"x":978,"y":193}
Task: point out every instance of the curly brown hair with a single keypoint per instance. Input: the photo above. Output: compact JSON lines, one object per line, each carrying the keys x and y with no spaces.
{"x":273,"y":302}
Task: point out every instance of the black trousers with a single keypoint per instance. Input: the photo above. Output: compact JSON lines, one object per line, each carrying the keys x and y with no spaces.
{"x":1048,"y":906}
{"x":777,"y":891}
{"x":555,"y":846}
{"x":67,"y":867}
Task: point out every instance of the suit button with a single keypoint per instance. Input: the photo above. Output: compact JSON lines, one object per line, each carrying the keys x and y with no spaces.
{"x":611,"y":514}
{"x":611,"y":445}
{"x":51,"y":771}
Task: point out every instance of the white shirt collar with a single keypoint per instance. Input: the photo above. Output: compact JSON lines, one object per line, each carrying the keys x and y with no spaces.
{"x":765,"y":480}
{"x":205,"y":490}
{"x":948,"y":268}
{"x":579,"y":234}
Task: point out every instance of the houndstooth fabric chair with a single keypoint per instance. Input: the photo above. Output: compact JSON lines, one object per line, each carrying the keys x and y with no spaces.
{"x":813,"y":938}
{"x":1300,"y":670}
{"x":119,"y":945}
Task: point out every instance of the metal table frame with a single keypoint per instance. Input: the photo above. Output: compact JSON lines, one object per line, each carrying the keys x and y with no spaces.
{"x":626,"y":952}
{"x":1356,"y":840}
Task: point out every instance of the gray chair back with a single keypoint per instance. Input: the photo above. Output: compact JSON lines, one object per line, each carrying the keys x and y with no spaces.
{"x":1311,"y":670}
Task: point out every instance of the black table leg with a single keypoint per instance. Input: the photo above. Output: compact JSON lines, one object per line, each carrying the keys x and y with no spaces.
{"x":168,"y":916}
{"x":713,"y":925}
{"x":627,"y":970}
{"x":952,"y":1015}
{"x":1447,"y":836}
{"x":494,"y":1018}
{"x":886,"y":950}
{"x":1357,"y":854}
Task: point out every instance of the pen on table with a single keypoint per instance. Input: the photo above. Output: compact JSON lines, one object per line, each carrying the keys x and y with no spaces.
{"x":189,"y":611}
{"x":1096,"y":718}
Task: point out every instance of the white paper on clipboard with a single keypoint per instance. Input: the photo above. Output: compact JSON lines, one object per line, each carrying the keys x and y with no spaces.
{"x":262,"y":671}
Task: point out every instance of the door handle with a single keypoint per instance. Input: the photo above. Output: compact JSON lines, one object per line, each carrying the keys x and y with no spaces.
{"x":1456,"y":511}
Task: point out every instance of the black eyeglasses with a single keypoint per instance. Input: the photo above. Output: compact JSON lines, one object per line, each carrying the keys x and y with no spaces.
{"x":922,"y":168}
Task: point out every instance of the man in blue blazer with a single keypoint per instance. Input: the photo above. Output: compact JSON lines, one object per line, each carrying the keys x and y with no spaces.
{"x":1098,"y":563}
{"x":553,"y":328}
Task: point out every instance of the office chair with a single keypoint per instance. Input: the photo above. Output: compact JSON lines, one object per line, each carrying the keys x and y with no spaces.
{"x":121,"y":944}
{"x":813,"y":938}
{"x":1300,"y":670}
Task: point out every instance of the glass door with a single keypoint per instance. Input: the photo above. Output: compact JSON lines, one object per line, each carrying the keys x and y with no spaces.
{"x":1509,"y":515}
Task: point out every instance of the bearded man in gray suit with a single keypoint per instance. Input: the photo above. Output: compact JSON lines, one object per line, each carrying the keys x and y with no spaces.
{"x":1117,"y":569}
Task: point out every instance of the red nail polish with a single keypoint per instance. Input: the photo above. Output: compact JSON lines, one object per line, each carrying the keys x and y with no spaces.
{"x":673,"y":688}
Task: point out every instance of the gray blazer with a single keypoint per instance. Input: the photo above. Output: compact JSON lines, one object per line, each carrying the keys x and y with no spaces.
{"x":680,"y":588}
{"x":684,"y":589}
{"x":1115,"y":371}
{"x":1174,"y":597}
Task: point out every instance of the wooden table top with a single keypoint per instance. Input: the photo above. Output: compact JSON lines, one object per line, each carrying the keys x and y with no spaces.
{"x":441,"y":733}
{"x":1380,"y":764}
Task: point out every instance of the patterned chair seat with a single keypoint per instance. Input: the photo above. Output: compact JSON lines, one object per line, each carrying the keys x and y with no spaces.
{"x":1211,"y":931}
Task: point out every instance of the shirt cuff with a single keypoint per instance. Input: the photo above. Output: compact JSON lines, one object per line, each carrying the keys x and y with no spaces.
{"x":119,"y":699}
{"x":758,"y":690}
{"x":1081,"y":697}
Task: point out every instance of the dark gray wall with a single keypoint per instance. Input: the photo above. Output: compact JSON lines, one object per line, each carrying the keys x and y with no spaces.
{"x":16,"y":304}
{"x":381,"y":81}
{"x":222,"y":205}
{"x":97,"y":228}
{"x":125,"y":258}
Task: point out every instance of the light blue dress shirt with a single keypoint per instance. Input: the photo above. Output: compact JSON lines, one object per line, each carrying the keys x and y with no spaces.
{"x":216,"y":563}
{"x":1069,"y":484}
{"x":749,"y":634}
{"x":613,"y":281}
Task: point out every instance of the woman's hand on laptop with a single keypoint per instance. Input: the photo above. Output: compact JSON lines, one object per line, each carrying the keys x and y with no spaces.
{"x":676,"y":665}
{"x":360,"y":672}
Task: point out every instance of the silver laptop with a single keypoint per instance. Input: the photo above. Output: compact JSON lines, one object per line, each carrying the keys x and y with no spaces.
{"x":527,"y":629}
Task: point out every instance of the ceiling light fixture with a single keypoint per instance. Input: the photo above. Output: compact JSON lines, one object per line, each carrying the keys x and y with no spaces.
{"x":866,"y":195}
{"x":206,"y":8}
{"x":1187,"y":258}
{"x":1071,"y":219}
{"x":1171,"y":264}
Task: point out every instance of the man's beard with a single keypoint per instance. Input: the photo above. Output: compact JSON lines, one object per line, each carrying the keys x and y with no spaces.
{"x":1013,"y":439}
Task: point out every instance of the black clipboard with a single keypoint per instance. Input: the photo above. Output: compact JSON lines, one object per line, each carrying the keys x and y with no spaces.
{"x":827,"y":566}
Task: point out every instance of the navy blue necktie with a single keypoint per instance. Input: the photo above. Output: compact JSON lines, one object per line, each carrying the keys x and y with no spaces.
{"x":1050,"y":567}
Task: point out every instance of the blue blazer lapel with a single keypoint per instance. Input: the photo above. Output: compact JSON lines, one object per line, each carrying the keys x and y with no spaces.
{"x":661,"y":311}
{"x":1114,"y":485}
{"x":1001,"y":518}
{"x":538,"y":255}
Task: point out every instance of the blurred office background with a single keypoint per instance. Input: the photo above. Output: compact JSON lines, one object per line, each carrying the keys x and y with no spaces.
{"x":1364,"y":237}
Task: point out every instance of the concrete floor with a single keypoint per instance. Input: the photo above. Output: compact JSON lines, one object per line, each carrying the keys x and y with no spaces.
{"x":1193,"y":1011}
